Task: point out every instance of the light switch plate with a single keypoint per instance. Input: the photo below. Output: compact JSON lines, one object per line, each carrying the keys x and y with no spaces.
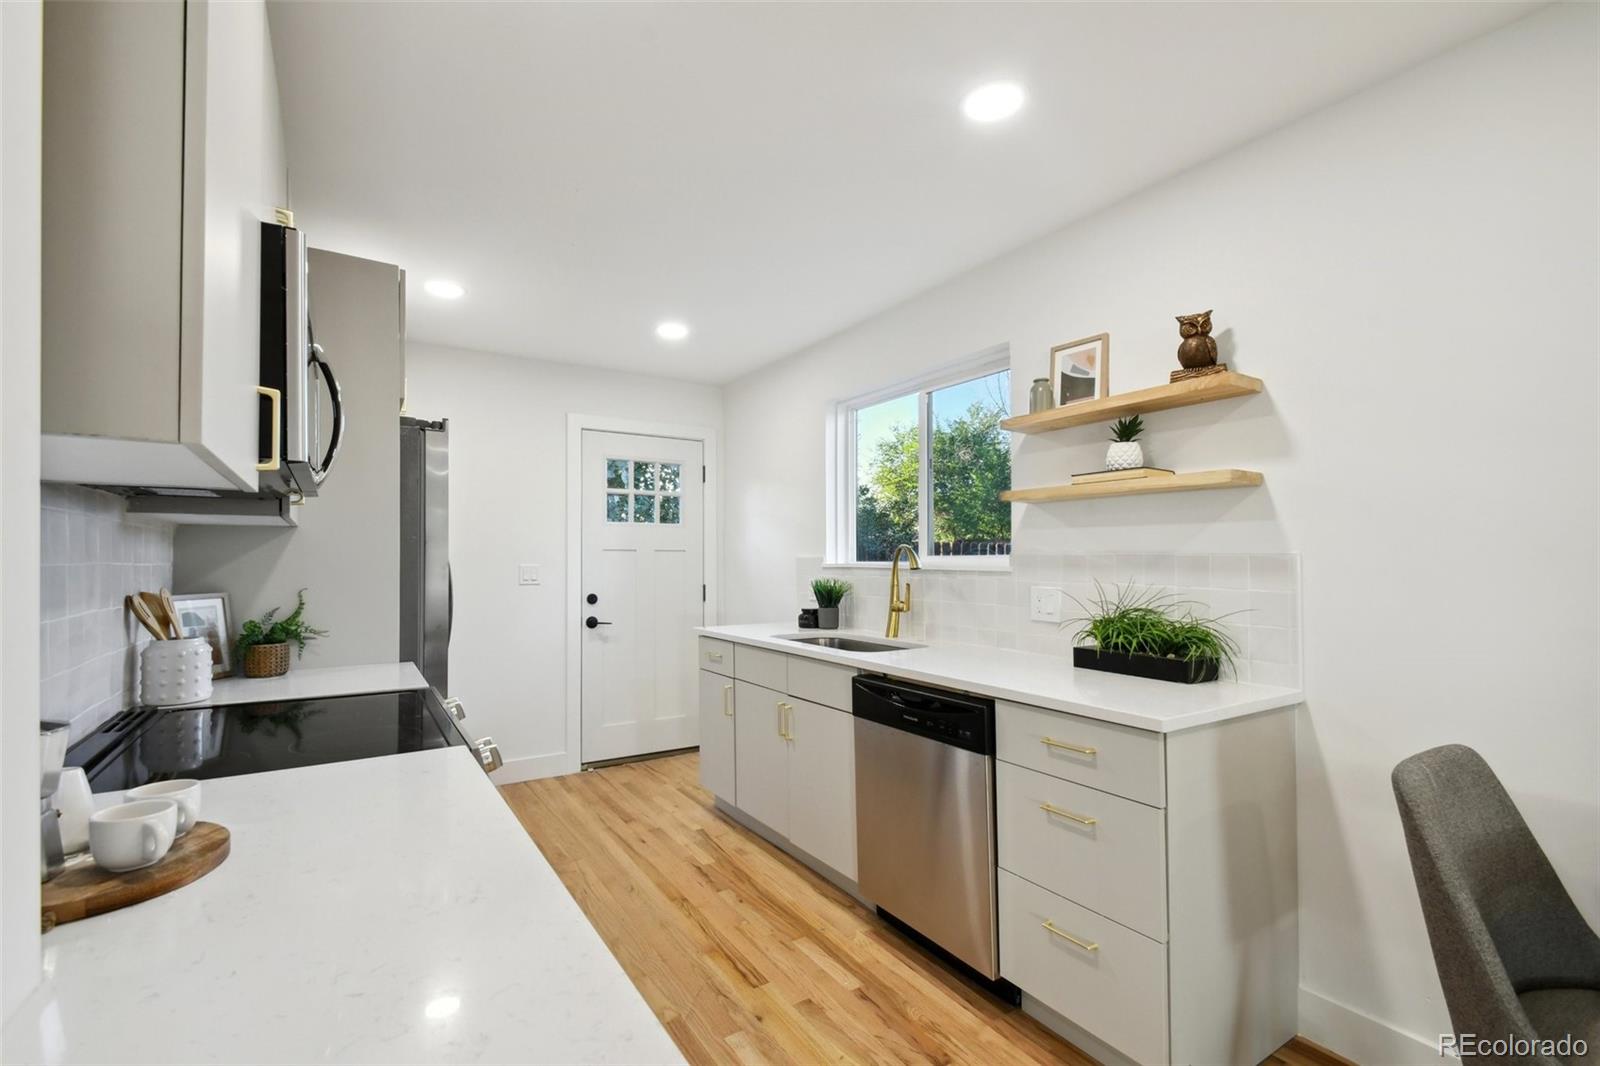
{"x":1044,"y":604}
{"x":528,"y":574}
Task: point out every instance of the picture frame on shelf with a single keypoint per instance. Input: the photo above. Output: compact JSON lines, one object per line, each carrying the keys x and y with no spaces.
{"x":206,"y":615}
{"x":1081,"y":369}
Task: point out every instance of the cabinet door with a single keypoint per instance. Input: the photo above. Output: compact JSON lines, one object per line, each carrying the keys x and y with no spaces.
{"x":761,"y":760}
{"x":822,"y":784}
{"x":717,"y":726}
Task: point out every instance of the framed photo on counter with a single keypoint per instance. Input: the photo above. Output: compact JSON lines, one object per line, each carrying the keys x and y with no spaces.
{"x":205,"y":615}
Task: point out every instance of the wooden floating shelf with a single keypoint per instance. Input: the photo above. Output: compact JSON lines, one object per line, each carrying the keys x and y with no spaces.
{"x":1193,"y":481}
{"x":1187,"y":393}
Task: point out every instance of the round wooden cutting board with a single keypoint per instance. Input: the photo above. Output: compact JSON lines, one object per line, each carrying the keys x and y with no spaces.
{"x":84,"y":890}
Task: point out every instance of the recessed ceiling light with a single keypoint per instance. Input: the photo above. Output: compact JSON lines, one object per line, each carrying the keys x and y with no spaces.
{"x":993,"y":102}
{"x":444,"y":289}
{"x":672,"y":331}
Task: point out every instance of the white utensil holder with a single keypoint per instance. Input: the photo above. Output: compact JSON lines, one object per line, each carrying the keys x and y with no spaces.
{"x":174,"y":672}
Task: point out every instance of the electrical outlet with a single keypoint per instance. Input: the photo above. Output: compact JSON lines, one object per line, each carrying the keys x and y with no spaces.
{"x":528,"y":574}
{"x":1044,"y":604}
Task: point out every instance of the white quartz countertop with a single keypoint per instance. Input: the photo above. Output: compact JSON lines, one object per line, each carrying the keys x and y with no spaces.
{"x":1048,"y":681}
{"x":386,"y":910}
{"x":317,"y":682}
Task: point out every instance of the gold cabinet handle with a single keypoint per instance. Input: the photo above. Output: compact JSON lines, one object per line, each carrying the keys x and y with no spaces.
{"x":1052,"y":742}
{"x":1086,"y":945}
{"x":1081,"y":819}
{"x":727,"y":700}
{"x":783,"y":720}
{"x":713,"y":656}
{"x":276,"y":398}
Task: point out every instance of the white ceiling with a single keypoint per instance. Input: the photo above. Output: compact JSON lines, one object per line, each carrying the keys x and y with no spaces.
{"x":768,"y":173}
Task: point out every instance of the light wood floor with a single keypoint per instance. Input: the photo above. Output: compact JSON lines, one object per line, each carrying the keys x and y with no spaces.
{"x":748,"y":957}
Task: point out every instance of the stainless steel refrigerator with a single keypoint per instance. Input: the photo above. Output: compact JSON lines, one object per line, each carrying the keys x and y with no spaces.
{"x":427,"y":595}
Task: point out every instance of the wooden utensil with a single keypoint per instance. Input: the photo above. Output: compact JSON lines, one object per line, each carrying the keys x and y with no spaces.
{"x":158,"y":611}
{"x":141,"y":611}
{"x":85,"y":890}
{"x":172,"y":614}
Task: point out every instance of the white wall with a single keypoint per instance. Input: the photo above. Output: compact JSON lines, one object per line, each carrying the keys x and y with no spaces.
{"x":346,"y":550}
{"x":508,"y":455}
{"x":20,"y":109}
{"x":1414,"y":274}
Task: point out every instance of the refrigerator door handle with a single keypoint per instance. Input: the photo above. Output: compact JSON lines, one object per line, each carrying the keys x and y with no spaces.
{"x":450,"y":603}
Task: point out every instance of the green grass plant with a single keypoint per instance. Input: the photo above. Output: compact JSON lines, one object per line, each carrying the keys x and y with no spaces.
{"x":829,"y":591}
{"x":1151,"y":621}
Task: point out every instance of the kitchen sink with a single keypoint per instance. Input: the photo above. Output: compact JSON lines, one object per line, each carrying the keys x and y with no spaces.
{"x":850,"y":643}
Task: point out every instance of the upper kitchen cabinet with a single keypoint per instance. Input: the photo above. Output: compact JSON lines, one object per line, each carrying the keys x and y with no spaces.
{"x":163,"y":154}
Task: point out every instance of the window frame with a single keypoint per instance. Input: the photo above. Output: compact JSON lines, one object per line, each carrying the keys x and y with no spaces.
{"x":842,"y":485}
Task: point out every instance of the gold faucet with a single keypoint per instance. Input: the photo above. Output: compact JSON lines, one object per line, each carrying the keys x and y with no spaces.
{"x":899,"y":605}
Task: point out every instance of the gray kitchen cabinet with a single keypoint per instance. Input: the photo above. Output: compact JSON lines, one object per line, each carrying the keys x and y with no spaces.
{"x":822,"y":784}
{"x":718,"y":726}
{"x":162,"y":154}
{"x":761,"y":746}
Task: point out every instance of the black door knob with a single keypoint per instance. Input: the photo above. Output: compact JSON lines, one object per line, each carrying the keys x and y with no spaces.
{"x":592,"y":621}
{"x":591,"y":598}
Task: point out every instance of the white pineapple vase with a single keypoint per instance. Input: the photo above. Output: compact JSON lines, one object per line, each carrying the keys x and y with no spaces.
{"x":1124,"y":455}
{"x":173,"y":672}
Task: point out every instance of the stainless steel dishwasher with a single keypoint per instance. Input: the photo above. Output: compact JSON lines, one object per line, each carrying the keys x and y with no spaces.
{"x":925,"y":815}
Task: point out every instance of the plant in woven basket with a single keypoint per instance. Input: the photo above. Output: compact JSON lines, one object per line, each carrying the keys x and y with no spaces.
{"x":292,"y":628}
{"x":1125,"y":452}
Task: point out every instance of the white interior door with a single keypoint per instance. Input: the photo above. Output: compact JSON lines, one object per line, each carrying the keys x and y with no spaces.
{"x":643,"y":592}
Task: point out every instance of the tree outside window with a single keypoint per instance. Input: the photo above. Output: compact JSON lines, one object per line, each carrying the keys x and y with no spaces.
{"x":951,"y":507}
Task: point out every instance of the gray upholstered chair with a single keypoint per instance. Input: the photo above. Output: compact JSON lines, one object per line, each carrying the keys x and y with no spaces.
{"x":1515,"y":957}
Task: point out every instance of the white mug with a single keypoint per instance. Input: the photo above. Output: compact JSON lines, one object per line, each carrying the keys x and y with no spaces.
{"x":75,"y":803}
{"x":131,"y":836}
{"x":185,"y":792}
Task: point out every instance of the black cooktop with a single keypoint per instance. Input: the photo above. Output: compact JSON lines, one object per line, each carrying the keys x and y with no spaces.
{"x":144,"y":745}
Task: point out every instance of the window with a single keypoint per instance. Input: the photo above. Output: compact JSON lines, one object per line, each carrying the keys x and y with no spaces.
{"x":655,"y":496}
{"x":925,"y":466}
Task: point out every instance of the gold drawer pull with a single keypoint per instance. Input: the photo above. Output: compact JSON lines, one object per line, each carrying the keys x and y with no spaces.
{"x":713,"y":656}
{"x":1081,"y":819}
{"x":1086,"y":945}
{"x":785,"y":730}
{"x":1052,"y":742}
{"x":727,"y":700}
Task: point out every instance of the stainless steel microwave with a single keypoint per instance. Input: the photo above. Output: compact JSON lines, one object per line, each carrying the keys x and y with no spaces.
{"x":299,"y":439}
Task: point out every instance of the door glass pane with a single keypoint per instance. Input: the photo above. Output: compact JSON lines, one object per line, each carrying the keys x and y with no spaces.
{"x":670,"y":477}
{"x":886,"y":478}
{"x":644,"y":476}
{"x":644,"y":507}
{"x":971,"y":466}
{"x":616,"y":473}
{"x":671,"y":510}
{"x":616,"y":507}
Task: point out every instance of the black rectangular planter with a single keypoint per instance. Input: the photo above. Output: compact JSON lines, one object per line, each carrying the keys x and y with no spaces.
{"x":1151,"y":666}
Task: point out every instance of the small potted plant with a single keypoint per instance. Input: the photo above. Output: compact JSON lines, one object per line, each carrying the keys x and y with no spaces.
{"x":830,"y":592}
{"x":1125,"y":452}
{"x":1149,"y":634}
{"x":264,"y":642}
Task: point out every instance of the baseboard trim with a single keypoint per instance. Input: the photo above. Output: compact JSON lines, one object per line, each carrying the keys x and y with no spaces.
{"x":1360,"y":1037}
{"x":531,"y":768}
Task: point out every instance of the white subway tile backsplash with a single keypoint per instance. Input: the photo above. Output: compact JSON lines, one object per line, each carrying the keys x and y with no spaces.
{"x":1256,"y":596}
{"x":91,"y":557}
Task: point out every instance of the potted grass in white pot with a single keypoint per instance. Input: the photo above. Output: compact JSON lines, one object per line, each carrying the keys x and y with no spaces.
{"x":1148,"y":633}
{"x":830,"y":592}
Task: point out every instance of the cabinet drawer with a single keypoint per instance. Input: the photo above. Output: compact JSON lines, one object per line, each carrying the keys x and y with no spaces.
{"x":1113,"y":758}
{"x":769,"y":669}
{"x":1100,"y":850}
{"x":716,"y":656}
{"x":821,"y":683}
{"x":1112,"y":982}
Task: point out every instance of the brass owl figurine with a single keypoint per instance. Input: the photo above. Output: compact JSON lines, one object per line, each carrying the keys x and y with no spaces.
{"x":1198,"y":349}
